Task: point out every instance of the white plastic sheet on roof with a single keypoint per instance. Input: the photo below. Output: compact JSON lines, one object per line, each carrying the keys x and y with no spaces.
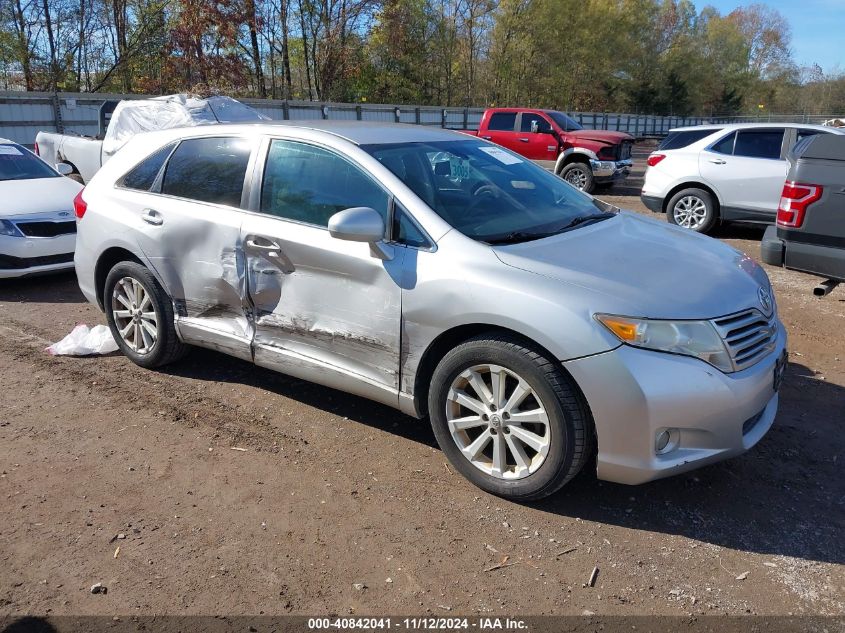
{"x":161,"y":113}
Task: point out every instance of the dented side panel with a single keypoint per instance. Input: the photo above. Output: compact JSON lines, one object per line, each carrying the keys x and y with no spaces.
{"x":325,"y":301}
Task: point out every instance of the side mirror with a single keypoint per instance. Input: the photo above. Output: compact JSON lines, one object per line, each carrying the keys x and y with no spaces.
{"x":358,"y":224}
{"x":535,"y":126}
{"x":64,"y":169}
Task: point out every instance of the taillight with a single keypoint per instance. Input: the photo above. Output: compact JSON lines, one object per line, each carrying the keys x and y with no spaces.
{"x":795,"y":199}
{"x":654,"y":159}
{"x":79,"y":205}
{"x":37,"y":153}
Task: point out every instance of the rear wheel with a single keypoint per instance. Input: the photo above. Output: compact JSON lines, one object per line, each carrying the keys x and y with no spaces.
{"x":140,"y":316}
{"x":579,"y":175}
{"x":508,"y":418}
{"x":692,"y":209}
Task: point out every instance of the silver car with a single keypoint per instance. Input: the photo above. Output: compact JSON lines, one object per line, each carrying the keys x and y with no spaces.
{"x":447,"y":277}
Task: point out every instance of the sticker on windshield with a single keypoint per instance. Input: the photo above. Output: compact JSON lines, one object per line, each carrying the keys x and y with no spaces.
{"x":458,"y":168}
{"x":501,"y":155}
{"x":9,"y":150}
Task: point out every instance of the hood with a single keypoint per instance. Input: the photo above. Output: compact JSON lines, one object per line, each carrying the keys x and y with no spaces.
{"x":37,"y":195}
{"x":602,"y":136}
{"x":639,"y":267}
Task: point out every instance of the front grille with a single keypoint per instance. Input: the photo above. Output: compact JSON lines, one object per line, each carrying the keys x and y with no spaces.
{"x":46,"y":229}
{"x":625,"y":152}
{"x":749,"y":336}
{"x":18,"y":263}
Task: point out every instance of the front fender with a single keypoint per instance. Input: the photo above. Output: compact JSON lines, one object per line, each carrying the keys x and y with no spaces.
{"x":588,"y":155}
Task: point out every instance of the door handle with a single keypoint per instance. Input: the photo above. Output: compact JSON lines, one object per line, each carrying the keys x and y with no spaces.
{"x":487,"y":137}
{"x":262,"y":244}
{"x":717,"y":161}
{"x":524,"y":140}
{"x":151,"y":216}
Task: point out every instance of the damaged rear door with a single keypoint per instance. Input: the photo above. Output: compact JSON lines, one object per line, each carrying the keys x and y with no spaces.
{"x":324,"y":309}
{"x":189,"y":228}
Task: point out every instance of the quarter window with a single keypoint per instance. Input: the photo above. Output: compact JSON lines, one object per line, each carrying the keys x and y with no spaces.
{"x":502,"y":121}
{"x":726,"y":145}
{"x":309,"y":184}
{"x":208,"y":170}
{"x":679,"y":140}
{"x":759,"y":143}
{"x":143,"y":175}
{"x":405,"y":231}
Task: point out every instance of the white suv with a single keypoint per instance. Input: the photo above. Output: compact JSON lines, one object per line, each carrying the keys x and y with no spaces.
{"x":702,"y":175}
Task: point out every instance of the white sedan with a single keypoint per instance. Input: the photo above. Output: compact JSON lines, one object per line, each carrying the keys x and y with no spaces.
{"x":37,"y":223}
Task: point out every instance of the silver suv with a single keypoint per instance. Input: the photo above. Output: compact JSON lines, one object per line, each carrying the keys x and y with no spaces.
{"x":447,"y":277}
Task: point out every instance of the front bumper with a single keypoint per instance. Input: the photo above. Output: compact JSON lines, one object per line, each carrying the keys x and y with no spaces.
{"x":634,"y":394}
{"x":22,"y":256}
{"x":610,"y":170}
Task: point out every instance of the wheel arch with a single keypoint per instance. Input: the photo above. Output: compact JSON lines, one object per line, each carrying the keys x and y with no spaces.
{"x":456,"y":335}
{"x":692,"y":185}
{"x":573,"y":155}
{"x":107,"y":260}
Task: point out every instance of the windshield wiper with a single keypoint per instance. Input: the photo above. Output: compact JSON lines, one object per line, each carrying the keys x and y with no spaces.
{"x":583,"y":219}
{"x":516,"y":237}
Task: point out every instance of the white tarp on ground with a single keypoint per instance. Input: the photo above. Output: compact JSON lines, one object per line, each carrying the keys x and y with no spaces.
{"x":161,"y":113}
{"x":85,"y":341}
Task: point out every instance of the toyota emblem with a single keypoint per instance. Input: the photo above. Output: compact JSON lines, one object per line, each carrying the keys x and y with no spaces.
{"x":765,"y":299}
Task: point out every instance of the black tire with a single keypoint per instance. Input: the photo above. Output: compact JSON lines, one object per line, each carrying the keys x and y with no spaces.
{"x":167,"y":346}
{"x":579,"y":175}
{"x":570,"y":425}
{"x":685,"y":197}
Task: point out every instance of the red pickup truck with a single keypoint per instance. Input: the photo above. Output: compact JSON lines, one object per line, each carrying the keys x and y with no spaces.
{"x":584,"y":158}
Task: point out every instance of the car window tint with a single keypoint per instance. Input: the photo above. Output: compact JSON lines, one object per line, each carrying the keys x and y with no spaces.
{"x":725,"y":145}
{"x":503,"y":121}
{"x":143,"y":175}
{"x":208,"y":169}
{"x":405,"y":230}
{"x":758,"y":143}
{"x":802,"y":134}
{"x":679,"y":140}
{"x":543,"y":125}
{"x":310,"y":184}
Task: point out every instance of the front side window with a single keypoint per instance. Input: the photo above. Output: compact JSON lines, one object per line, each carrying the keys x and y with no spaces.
{"x":18,"y":164}
{"x":543,"y":126}
{"x":759,"y":143}
{"x":208,"y":170}
{"x":143,"y":175}
{"x":486,"y":192}
{"x":502,"y":121}
{"x":310,"y":184}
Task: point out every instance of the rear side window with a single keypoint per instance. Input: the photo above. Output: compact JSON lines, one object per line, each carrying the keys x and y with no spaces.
{"x":759,"y":143}
{"x":725,"y":145}
{"x":310,"y":184}
{"x":208,"y":170}
{"x":502,"y":121}
{"x":143,"y":175}
{"x":679,"y":140}
{"x":802,"y":134}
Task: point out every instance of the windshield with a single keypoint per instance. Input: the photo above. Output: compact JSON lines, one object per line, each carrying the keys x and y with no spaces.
{"x":488,"y":193}
{"x":18,"y":164}
{"x":566,"y":123}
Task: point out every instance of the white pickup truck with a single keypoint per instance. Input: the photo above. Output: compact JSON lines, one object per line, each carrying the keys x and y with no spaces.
{"x":84,"y":155}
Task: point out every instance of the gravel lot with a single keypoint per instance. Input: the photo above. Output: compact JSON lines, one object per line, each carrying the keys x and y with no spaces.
{"x":218,"y":487}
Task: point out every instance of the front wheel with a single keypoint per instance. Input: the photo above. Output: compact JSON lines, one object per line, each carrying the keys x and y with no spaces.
{"x":692,"y":209}
{"x":508,"y":418}
{"x":140,"y":316}
{"x":579,"y":175}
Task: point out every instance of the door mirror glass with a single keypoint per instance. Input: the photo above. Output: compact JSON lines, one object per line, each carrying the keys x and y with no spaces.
{"x":358,"y":224}
{"x":64,"y":169}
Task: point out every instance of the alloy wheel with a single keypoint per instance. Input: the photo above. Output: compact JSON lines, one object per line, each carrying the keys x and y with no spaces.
{"x":134,"y":315}
{"x":690,"y":212}
{"x":577,"y":178}
{"x":498,"y":422}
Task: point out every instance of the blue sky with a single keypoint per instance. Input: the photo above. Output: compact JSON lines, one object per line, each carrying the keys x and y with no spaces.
{"x":818,"y":27}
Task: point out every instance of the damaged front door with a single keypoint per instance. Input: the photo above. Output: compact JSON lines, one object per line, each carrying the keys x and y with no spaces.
{"x":190,"y":232}
{"x":325,"y":310}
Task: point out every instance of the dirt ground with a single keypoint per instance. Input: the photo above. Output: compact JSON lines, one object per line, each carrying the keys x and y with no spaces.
{"x":218,"y":487}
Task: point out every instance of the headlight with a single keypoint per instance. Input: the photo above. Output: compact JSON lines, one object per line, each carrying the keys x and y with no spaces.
{"x":690,"y":338}
{"x":7,"y":228}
